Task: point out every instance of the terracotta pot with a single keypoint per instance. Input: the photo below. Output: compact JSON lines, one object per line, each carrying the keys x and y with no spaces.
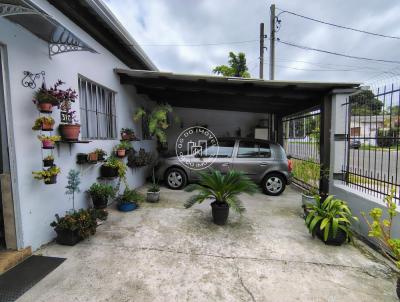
{"x":92,"y":157}
{"x":46,"y":126}
{"x":45,"y":107}
{"x":121,"y":153}
{"x":70,"y":132}
{"x":47,"y":144}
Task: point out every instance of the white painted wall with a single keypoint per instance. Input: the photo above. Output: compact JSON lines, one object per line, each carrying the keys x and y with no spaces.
{"x":220,"y":122}
{"x":38,"y":203}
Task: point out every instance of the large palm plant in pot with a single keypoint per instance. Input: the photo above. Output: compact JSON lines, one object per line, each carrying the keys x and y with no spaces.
{"x":223,"y":189}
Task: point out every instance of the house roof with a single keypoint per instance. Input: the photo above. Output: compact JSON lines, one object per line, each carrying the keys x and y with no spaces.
{"x":228,"y":93}
{"x":97,"y":20}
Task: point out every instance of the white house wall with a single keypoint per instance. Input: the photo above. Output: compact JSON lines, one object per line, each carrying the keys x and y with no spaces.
{"x":38,"y":203}
{"x":220,"y":122}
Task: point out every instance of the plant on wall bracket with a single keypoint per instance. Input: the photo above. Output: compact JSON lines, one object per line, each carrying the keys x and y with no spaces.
{"x":157,"y":120}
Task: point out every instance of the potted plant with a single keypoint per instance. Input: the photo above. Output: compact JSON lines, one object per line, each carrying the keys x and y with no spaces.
{"x":48,"y":161}
{"x":127,"y":134}
{"x":49,"y":176}
{"x":92,"y":157}
{"x":380,"y":228}
{"x":223,"y":190}
{"x":153,"y":192}
{"x":142,"y":159}
{"x":128,"y":201}
{"x":45,"y":98}
{"x":81,"y":158}
{"x":101,"y":154}
{"x":121,"y":148}
{"x":100,"y":194}
{"x":308,"y":173}
{"x":70,"y":127}
{"x":44,"y":123}
{"x":76,"y":226}
{"x":113,"y":167}
{"x":73,"y":185}
{"x":48,"y":141}
{"x":330,"y":219}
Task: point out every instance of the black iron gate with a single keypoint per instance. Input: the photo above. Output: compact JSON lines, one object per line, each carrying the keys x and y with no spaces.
{"x":301,"y":141}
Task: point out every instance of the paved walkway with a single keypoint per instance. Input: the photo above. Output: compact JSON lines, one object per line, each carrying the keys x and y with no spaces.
{"x":163,"y":252}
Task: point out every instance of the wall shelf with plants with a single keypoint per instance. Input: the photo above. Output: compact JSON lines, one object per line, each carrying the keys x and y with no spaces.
{"x":128,"y":134}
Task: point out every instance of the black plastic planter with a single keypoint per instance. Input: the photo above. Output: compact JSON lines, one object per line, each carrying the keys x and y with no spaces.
{"x":106,"y":171}
{"x":99,"y":203}
{"x":338,"y":240}
{"x":48,"y":162}
{"x":81,"y":158}
{"x":67,"y":237}
{"x":220,"y":212}
{"x":52,"y":181}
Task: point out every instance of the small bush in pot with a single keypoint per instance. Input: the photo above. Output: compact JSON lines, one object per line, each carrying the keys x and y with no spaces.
{"x":330,"y":219}
{"x":223,"y":189}
{"x":127,"y":134}
{"x":100,"y":193}
{"x":75,"y":226}
{"x":48,"y":161}
{"x":93,"y":157}
{"x":129,"y":200}
{"x":70,"y":128}
{"x":48,"y":141}
{"x":45,"y":98}
{"x":153,"y":192}
{"x":44,"y":123}
{"x":113,"y":167}
{"x":49,"y":176}
{"x":101,"y":154}
{"x":122,"y":148}
{"x":380,"y":228}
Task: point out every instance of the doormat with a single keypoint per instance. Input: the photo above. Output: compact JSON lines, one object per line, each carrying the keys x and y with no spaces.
{"x":16,"y":281}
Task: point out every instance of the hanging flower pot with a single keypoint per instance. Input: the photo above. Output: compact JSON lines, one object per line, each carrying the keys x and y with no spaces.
{"x":49,"y":176}
{"x":45,"y":107}
{"x":44,"y":123}
{"x":92,"y":157}
{"x":70,"y":132}
{"x":107,"y":171}
{"x":81,"y":158}
{"x":51,"y":180}
{"x":48,"y":161}
{"x":47,"y":144}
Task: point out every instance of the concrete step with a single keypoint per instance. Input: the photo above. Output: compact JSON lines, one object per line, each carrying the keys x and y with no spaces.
{"x":9,"y":259}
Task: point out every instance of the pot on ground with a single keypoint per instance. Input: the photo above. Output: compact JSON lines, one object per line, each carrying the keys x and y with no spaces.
{"x":47,"y":144}
{"x":99,"y":203}
{"x":106,"y":171}
{"x":338,"y":240}
{"x":67,"y":237}
{"x":70,"y":132}
{"x":220,"y":212}
{"x":48,"y":162}
{"x":127,"y":206}
{"x":153,"y":196}
{"x":45,"y":107}
{"x":307,"y":199}
{"x":52,"y":180}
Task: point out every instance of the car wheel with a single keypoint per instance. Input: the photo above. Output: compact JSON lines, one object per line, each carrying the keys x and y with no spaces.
{"x":175,"y":178}
{"x":273,"y":184}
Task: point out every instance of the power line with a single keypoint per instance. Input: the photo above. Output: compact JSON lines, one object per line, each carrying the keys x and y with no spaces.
{"x":307,"y":69}
{"x":202,"y":44}
{"x":335,"y":53}
{"x":339,"y":26}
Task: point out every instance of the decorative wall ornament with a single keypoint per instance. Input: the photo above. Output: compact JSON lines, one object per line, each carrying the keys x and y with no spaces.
{"x":30,"y":78}
{"x":11,"y":10}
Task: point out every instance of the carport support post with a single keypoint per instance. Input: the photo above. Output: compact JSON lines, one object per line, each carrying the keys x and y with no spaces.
{"x":278,"y":137}
{"x":324,"y":144}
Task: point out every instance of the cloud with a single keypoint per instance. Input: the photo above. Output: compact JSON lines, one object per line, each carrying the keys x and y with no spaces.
{"x":180,"y":22}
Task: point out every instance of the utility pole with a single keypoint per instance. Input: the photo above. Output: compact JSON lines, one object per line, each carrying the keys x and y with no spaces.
{"x":261,"y":50}
{"x":272,"y":44}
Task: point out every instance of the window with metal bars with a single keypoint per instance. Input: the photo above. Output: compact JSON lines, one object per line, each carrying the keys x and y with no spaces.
{"x":97,"y":108}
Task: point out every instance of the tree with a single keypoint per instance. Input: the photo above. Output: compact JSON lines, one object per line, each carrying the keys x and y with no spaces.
{"x":237,"y":66}
{"x":365,"y":103}
{"x":73,"y":185}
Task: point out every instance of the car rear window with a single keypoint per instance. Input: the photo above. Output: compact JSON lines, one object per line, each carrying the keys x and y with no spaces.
{"x":252,"y":149}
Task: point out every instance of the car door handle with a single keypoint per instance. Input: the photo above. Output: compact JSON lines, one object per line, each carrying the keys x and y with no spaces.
{"x":225,"y":164}
{"x":263,"y":164}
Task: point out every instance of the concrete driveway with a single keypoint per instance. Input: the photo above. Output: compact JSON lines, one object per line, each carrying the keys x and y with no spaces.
{"x":163,"y":252}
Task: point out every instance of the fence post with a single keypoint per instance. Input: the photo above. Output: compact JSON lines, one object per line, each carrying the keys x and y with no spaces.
{"x":324,"y":143}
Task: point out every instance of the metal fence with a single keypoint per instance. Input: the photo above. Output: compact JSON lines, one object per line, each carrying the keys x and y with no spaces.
{"x":301,"y":139}
{"x":372,"y":152}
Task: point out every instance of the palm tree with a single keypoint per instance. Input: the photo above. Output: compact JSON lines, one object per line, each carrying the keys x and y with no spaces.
{"x":223,"y":189}
{"x":237,"y":66}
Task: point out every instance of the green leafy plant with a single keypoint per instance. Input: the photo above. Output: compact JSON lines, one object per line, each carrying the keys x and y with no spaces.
{"x":157,"y":120}
{"x":101,"y":191}
{"x":129,"y":196}
{"x":237,"y":66}
{"x":53,"y":138}
{"x":115,"y":163}
{"x":124,"y":145}
{"x":223,"y":188}
{"x":84,"y":222}
{"x":42,"y":120}
{"x":47,"y":95}
{"x":142,"y":158}
{"x":329,"y":215}
{"x":46,"y":174}
{"x":309,"y":173}
{"x":100,"y":152}
{"x":128,"y":131}
{"x":73,"y":185}
{"x":154,"y":187}
{"x":380,"y":228}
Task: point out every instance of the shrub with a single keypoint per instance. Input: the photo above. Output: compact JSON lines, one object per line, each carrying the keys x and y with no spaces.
{"x":101,"y":191}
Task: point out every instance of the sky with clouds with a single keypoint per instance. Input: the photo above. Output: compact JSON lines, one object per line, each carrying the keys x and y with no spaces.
{"x":170,"y":32}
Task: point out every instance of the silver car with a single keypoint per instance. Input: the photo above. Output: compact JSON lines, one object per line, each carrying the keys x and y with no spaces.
{"x":263,"y":161}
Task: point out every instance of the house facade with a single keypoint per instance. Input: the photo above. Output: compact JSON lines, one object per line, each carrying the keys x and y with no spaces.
{"x":365,"y":128}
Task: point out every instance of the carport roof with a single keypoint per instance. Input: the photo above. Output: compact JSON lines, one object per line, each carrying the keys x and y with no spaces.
{"x":229,"y":93}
